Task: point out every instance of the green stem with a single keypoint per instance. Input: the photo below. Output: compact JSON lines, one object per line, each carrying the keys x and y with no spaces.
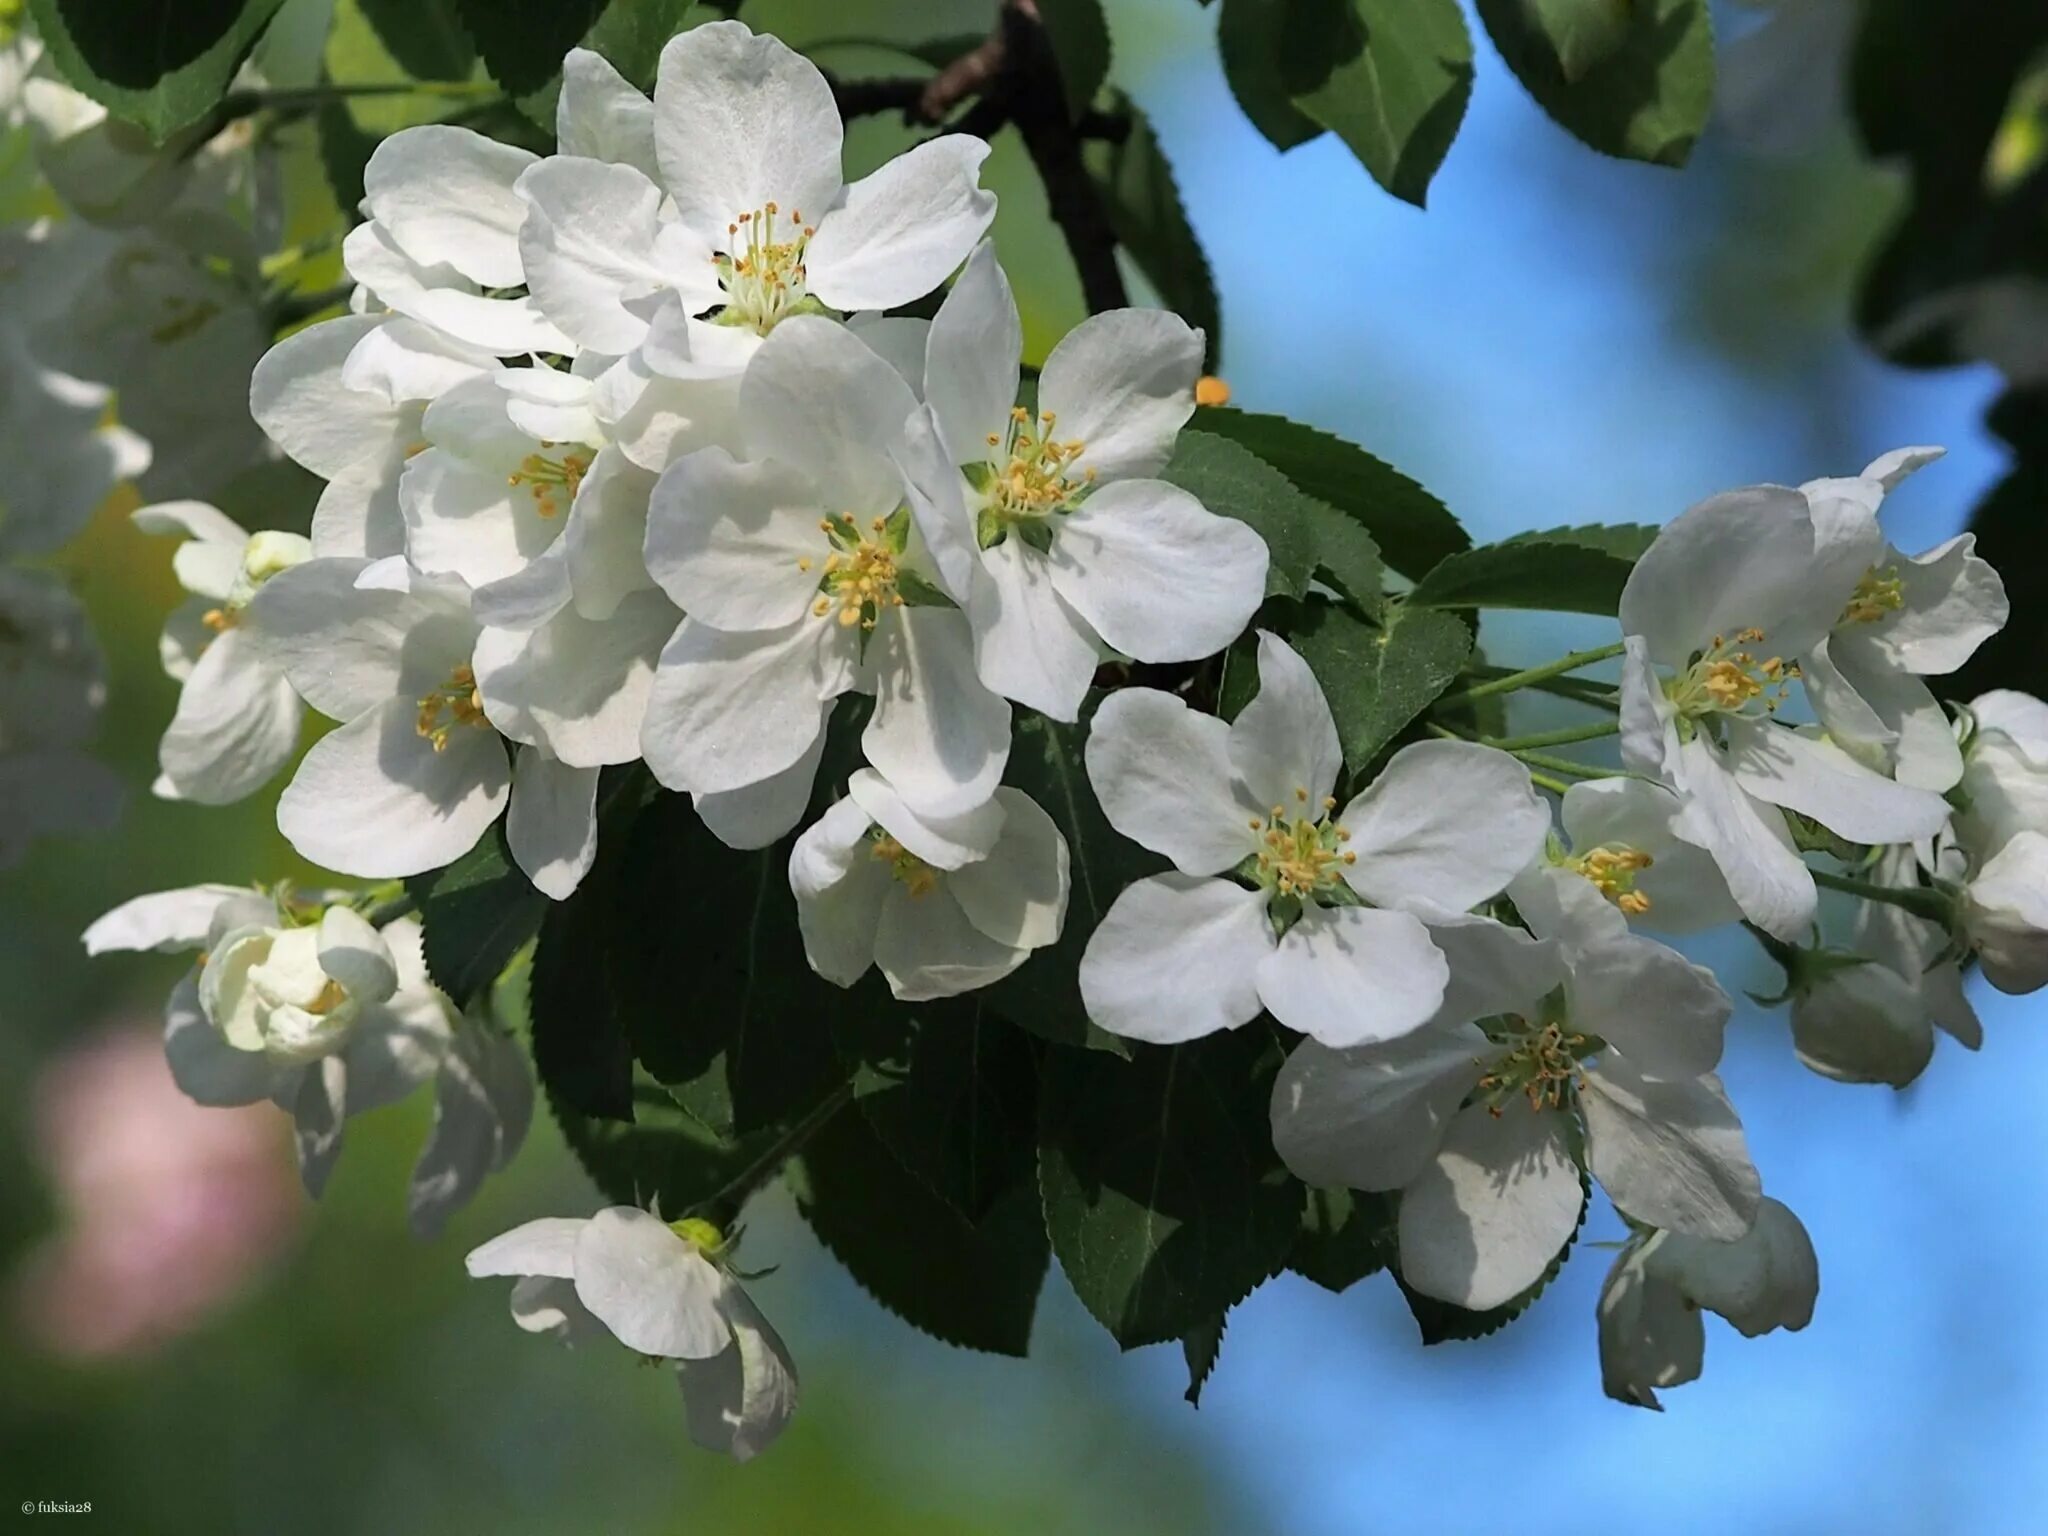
{"x":1566,"y":765}
{"x":1557,"y":738}
{"x":1531,"y":676}
{"x":734,"y":1191}
{"x":318,"y":95}
{"x":1545,"y":781}
{"x":1921,"y":902}
{"x":1577,"y":689}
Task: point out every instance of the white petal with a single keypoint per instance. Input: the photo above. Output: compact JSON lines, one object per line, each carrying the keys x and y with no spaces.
{"x":1159,"y":576}
{"x":2006,"y":913}
{"x":938,"y":500}
{"x":354,"y":954}
{"x":193,"y":519}
{"x":1685,"y":889}
{"x":1954,"y":602}
{"x":936,"y":734}
{"x":971,"y":358}
{"x":897,"y":340}
{"x":548,"y":1306}
{"x":237,"y":723}
{"x":1650,"y":1337}
{"x":729,"y":710}
{"x":319,"y":1113}
{"x":1494,"y":969}
{"x":606,"y":534}
{"x":1481,"y":1222}
{"x":839,"y":887}
{"x":297,"y":396}
{"x":1649,"y":728}
{"x":947,"y":842}
{"x":1029,"y":645}
{"x":1162,"y":774}
{"x":1749,"y":842}
{"x":1818,"y":779}
{"x":737,"y":545}
{"x":358,"y":513}
{"x":205,"y":1067}
{"x":1656,"y":1007}
{"x":544,"y":1247}
{"x":819,"y":397}
{"x":442,"y":298}
{"x":1176,"y":958}
{"x":1283,"y":744}
{"x":343,"y":649}
{"x":1559,"y":903}
{"x":656,"y":1293}
{"x":926,"y":947}
{"x":1353,"y":975}
{"x":655,"y":420}
{"x":1123,"y":383}
{"x":445,"y":195}
{"x":2019,"y":716}
{"x":577,"y":688}
{"x":740,"y":121}
{"x":1863,"y":1024}
{"x":738,"y":1401}
{"x":552,"y":823}
{"x":1738,"y":560}
{"x":761,"y":813}
{"x":163,"y":921}
{"x":1018,"y":894}
{"x":1371,"y":1117}
{"x":1669,"y":1153}
{"x":1765,"y":1280}
{"x":899,"y":232}
{"x":403,"y":360}
{"x":1449,"y":822}
{"x":375,"y":799}
{"x":483,"y":1104}
{"x":591,"y":244}
{"x":602,"y":115}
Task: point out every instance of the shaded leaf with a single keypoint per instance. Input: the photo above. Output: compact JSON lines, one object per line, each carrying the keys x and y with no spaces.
{"x":1163,"y":1196}
{"x":424,"y":36}
{"x":1584,"y":32}
{"x":1080,"y":43}
{"x":1345,"y":1236}
{"x":1389,"y":77}
{"x":1378,"y":678}
{"x":1647,"y":98}
{"x":630,"y":34}
{"x":162,"y":64}
{"x":1248,"y":36}
{"x":1412,"y":529}
{"x":1562,"y":570}
{"x":1200,"y":1347}
{"x":1151,"y":223}
{"x":475,"y":915}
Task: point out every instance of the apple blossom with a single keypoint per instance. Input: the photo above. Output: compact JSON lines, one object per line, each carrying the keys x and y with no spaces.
{"x":1280,"y":899}
{"x":1053,"y":524}
{"x":2004,"y":787}
{"x":941,"y":905}
{"x":662,"y":1290}
{"x":1714,"y":616}
{"x":237,"y":720}
{"x":1620,"y":837}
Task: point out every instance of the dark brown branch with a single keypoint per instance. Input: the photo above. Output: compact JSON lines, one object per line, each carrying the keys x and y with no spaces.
{"x":871,"y":98}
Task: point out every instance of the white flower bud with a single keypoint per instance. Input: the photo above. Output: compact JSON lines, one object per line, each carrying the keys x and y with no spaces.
{"x":1862,"y":1024}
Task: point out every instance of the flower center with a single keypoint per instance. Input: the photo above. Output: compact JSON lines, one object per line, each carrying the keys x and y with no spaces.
{"x":700,"y":1234}
{"x":863,"y":569}
{"x":1301,"y":857}
{"x":763,"y":272}
{"x":455,"y":703}
{"x":1543,"y":1067}
{"x":1726,"y":679}
{"x":266,"y":554}
{"x":1029,"y":476}
{"x":552,"y":482}
{"x":916,"y":876}
{"x":1613,"y":867}
{"x":1879,"y":592}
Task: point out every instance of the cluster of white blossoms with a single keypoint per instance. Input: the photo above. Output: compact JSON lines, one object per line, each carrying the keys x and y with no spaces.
{"x":626,"y":461}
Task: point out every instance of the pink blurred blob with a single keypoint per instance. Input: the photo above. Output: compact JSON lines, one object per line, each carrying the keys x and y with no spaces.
{"x":167,"y":1210}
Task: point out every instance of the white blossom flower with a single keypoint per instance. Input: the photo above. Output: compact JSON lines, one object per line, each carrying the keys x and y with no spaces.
{"x":442,"y":239}
{"x":1651,"y":1332}
{"x":2005,"y":914}
{"x":104,"y":169}
{"x":1474,"y":1122}
{"x":1909,"y":617}
{"x":1621,"y":845}
{"x":2004,"y":787}
{"x":310,"y":1007}
{"x":52,"y":689}
{"x":1280,"y":899}
{"x":941,"y":905}
{"x":804,"y":576}
{"x":662,"y":1290}
{"x":1054,"y":525}
{"x":237,"y":720}
{"x":345,"y":398}
{"x":749,"y":216}
{"x":1714,"y":615}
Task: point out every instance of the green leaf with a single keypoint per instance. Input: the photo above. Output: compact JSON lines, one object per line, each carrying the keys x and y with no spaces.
{"x":1389,"y":77}
{"x":1304,"y":537}
{"x":1380,"y":677}
{"x":345,"y":151}
{"x":580,"y":1050}
{"x":425,"y":36}
{"x":1164,"y":1198}
{"x":630,"y":34}
{"x":953,"y":1092}
{"x":663,"y":1154}
{"x":523,"y":41}
{"x":162,"y":64}
{"x":1044,"y":994}
{"x":1344,"y":1237}
{"x":1561,"y":570}
{"x":1200,"y":1347}
{"x":475,"y":915}
{"x":1584,"y":32}
{"x":1440,"y":1322}
{"x":1080,"y":43}
{"x":974,"y":1284}
{"x":1248,"y":36}
{"x":1151,"y":223}
{"x":1647,"y":98}
{"x":1411,"y":527}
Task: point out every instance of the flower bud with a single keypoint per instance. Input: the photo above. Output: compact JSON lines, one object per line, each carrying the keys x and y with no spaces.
{"x":1862,"y":1023}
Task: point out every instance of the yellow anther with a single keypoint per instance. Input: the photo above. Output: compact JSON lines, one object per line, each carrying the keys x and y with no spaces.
{"x":1612,"y":868}
{"x":916,"y":876}
{"x":1299,"y":857}
{"x":763,"y":273}
{"x":1725,"y":679}
{"x":219,"y":619}
{"x":1542,"y":1066}
{"x":1879,"y":592}
{"x":456,"y":703}
{"x":553,"y":482}
{"x":1210,"y":390}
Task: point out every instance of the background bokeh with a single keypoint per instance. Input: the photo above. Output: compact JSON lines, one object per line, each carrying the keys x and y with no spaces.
{"x":1559,"y":339}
